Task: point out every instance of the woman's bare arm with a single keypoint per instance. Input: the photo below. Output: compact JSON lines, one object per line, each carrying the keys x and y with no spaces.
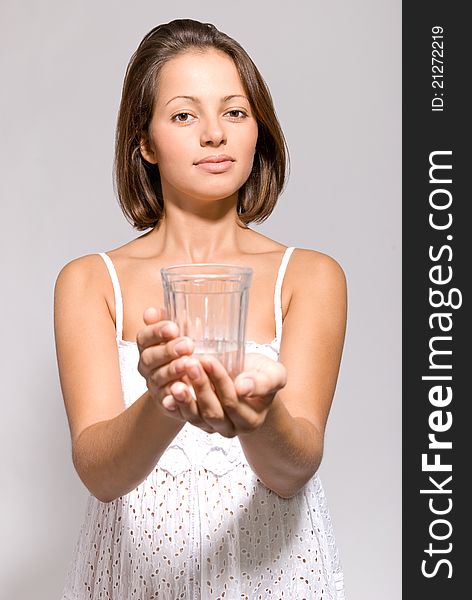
{"x":113,"y":448}
{"x":287,"y":450}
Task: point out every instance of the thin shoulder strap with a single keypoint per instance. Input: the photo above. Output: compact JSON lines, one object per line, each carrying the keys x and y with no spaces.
{"x":118,"y":297}
{"x":278,"y":292}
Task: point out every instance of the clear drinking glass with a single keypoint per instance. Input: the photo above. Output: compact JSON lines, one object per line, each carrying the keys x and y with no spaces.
{"x":209,"y":304}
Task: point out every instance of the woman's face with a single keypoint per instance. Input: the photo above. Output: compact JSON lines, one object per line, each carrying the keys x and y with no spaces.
{"x":201,"y":110}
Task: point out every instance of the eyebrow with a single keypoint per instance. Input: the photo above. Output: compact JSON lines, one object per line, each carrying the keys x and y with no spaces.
{"x":197,"y":101}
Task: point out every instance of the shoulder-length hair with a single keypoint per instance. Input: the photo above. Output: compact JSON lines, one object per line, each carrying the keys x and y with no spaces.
{"x":137,"y":182}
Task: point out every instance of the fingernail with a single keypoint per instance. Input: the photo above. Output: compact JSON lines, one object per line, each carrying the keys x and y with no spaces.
{"x":182,"y":346}
{"x":246,"y":386}
{"x":169,"y":404}
{"x":167,"y":330}
{"x":180,"y":365}
{"x":180,"y":396}
{"x":194,"y":371}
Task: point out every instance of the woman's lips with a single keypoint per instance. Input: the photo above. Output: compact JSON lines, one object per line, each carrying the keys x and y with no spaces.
{"x":215,"y":167}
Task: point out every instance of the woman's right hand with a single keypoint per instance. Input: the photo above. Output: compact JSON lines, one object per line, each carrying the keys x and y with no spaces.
{"x":162,"y":356}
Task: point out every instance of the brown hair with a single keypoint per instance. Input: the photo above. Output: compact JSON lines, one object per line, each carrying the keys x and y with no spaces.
{"x":137,"y":182}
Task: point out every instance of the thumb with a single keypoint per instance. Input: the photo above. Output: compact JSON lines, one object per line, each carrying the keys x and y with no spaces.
{"x":265,"y":381}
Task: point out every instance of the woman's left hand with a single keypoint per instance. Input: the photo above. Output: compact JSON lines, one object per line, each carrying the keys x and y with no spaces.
{"x":219,"y":398}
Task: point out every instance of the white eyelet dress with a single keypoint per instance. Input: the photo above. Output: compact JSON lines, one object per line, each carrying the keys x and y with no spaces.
{"x":202,"y":525}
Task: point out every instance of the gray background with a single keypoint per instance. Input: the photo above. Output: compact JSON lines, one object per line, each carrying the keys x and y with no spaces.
{"x":334,"y":72}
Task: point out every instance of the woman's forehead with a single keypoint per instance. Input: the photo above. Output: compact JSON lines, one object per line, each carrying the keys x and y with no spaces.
{"x":198,"y":76}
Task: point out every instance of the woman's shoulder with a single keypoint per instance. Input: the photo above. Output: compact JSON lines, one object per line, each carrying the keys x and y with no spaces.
{"x":312,"y":271}
{"x":86,"y":283}
{"x":82,"y":276}
{"x":314,"y":259}
{"x":83,"y":267}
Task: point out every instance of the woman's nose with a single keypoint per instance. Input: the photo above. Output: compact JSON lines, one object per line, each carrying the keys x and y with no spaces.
{"x":212,"y":133}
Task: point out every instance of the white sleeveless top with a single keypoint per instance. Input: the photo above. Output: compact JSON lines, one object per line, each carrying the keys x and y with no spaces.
{"x":202,"y":525}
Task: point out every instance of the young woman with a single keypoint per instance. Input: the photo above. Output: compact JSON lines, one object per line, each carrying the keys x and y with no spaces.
{"x":201,"y":486}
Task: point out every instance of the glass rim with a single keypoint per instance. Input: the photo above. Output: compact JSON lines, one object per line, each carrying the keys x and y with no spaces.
{"x":188,"y":269}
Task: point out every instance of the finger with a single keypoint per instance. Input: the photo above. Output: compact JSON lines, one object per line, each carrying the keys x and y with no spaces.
{"x":222,"y":383}
{"x":153,"y":315}
{"x":244,"y":417}
{"x":186,"y":404}
{"x":173,"y":408}
{"x":168,"y":373}
{"x":168,"y":402}
{"x":209,"y":404}
{"x":156,"y":333}
{"x":163,"y":389}
{"x":158,"y":355}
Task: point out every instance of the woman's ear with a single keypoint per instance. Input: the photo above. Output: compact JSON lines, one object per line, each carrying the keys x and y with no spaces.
{"x":147,"y":152}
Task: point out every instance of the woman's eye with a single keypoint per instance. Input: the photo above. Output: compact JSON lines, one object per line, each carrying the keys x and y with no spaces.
{"x":236,"y":110}
{"x":183,"y":114}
